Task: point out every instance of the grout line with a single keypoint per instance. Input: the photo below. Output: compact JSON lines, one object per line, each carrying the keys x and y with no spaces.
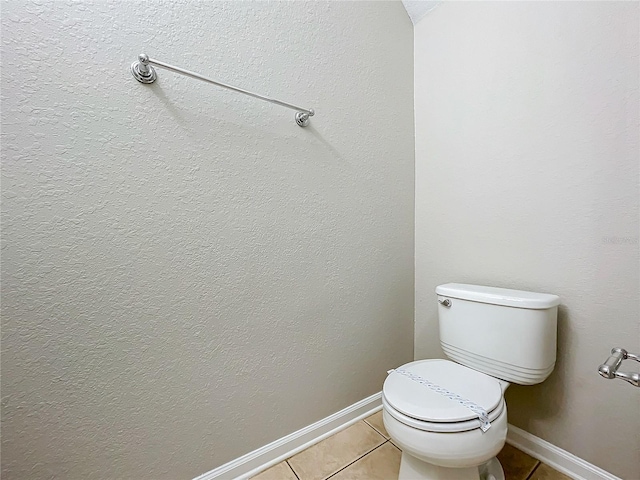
{"x":359,"y":458}
{"x":294,"y":472}
{"x":375,"y":429}
{"x":534,"y":470}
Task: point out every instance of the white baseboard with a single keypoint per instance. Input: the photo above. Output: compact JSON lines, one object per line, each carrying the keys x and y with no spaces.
{"x":555,"y":457}
{"x":254,"y":462}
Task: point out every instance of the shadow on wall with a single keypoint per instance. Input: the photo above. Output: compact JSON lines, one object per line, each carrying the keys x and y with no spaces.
{"x":335,"y":153}
{"x":162,"y":96}
{"x":193,"y":124}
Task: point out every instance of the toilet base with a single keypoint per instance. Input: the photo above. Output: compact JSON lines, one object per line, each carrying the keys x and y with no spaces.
{"x":492,"y":470}
{"x":412,"y":468}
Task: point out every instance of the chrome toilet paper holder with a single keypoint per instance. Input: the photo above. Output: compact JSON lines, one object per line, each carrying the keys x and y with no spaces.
{"x":609,"y":369}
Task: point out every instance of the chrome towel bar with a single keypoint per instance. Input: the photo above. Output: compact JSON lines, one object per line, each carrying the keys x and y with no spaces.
{"x":609,"y":369}
{"x":143,"y":71}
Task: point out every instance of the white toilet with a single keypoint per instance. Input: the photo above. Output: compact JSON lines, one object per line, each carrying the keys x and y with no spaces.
{"x":449,"y":417}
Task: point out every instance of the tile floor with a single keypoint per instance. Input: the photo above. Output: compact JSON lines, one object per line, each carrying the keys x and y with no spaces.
{"x":364,"y":452}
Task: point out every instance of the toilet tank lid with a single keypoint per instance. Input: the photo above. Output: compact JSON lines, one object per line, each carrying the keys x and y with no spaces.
{"x":499,"y":296}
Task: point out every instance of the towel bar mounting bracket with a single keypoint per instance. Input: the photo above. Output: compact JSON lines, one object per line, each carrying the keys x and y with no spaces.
{"x":142,"y":71}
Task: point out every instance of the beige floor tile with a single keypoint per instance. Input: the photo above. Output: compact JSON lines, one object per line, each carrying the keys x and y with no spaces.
{"x":545,"y":472}
{"x":330,"y":455}
{"x":381,"y":464}
{"x":376,"y":422}
{"x":517,"y":465}
{"x":280,"y":471}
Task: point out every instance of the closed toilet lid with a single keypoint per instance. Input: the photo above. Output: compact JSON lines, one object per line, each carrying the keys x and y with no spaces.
{"x":423,"y":403}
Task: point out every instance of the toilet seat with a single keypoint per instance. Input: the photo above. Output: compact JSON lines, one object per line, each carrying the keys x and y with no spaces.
{"x":424,"y":408}
{"x":441,"y":427}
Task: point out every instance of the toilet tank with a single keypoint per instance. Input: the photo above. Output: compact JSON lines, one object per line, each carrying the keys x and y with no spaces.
{"x":508,"y":334}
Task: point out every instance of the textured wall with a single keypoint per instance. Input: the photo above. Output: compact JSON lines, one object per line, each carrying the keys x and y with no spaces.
{"x":527,"y":162}
{"x":186,"y":274}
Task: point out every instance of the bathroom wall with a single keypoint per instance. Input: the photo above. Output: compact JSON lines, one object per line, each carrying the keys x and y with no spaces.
{"x":187,"y":275}
{"x":527,"y":162}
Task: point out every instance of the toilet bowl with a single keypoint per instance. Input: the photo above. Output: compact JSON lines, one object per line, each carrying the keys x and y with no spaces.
{"x":439,"y":432}
{"x":449,"y":418}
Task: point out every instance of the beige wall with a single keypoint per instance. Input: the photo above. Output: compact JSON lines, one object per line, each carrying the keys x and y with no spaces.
{"x":186,"y":274}
{"x":527,"y":161}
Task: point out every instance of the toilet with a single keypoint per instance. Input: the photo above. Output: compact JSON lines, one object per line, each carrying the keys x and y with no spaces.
{"x":449,"y":417}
